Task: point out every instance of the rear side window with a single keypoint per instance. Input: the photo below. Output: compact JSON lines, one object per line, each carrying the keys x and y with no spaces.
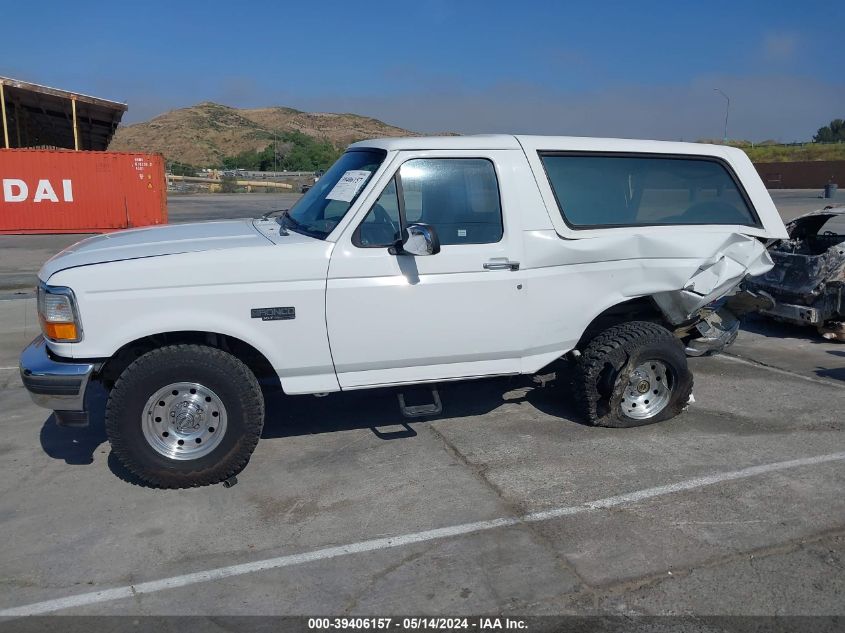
{"x":602,"y":190}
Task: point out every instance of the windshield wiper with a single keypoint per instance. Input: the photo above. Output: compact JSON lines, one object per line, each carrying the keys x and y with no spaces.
{"x":287,"y":221}
{"x":266,"y":216}
{"x":293,"y":222}
{"x":270,"y":214}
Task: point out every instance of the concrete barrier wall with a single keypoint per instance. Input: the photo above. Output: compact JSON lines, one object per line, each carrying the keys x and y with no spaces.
{"x":802,"y":175}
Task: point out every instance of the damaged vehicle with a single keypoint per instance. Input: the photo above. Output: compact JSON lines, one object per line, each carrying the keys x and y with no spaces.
{"x":411,"y":261}
{"x":808,"y":278}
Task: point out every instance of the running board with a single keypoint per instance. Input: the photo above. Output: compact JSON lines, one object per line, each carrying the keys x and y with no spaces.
{"x":420,"y":410}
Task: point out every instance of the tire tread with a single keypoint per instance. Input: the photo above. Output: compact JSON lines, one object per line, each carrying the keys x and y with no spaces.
{"x":614,"y":345}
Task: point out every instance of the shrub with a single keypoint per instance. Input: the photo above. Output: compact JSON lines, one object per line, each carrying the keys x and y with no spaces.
{"x":228,"y":184}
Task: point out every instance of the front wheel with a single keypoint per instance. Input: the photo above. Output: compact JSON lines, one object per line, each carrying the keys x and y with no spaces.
{"x":633,"y":374}
{"x":185,"y":415}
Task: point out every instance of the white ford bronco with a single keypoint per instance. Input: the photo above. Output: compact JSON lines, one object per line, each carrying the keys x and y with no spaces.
{"x":411,"y":261}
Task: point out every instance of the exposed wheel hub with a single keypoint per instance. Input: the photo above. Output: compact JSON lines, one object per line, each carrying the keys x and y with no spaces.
{"x":648,"y":391}
{"x":184,"y":420}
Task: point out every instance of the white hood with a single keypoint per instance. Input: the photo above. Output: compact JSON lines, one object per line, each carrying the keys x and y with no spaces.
{"x":154,"y":241}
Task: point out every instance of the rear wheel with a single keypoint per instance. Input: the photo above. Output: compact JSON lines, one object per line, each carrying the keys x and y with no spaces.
{"x":185,"y":415}
{"x":633,"y":374}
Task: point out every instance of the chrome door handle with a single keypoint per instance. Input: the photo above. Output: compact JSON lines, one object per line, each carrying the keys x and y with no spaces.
{"x":501,"y":263}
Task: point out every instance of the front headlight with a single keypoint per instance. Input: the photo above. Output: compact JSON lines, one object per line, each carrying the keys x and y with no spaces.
{"x":58,"y":314}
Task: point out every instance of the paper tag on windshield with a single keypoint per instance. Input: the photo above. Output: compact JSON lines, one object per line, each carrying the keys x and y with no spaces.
{"x":348,"y":185}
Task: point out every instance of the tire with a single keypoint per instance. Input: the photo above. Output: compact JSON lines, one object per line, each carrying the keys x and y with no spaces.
{"x":183,"y":416}
{"x":624,"y":367}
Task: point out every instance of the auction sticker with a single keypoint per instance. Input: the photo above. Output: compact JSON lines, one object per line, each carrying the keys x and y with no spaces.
{"x":348,"y":185}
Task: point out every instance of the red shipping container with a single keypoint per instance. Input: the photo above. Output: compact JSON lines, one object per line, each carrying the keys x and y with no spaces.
{"x":63,"y":191}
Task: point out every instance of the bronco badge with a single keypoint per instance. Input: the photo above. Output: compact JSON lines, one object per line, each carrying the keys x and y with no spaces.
{"x":274,"y":314}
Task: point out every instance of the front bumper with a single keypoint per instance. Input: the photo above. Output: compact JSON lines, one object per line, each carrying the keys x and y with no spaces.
{"x":56,"y":384}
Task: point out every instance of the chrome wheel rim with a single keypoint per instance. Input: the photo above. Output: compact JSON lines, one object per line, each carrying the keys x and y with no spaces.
{"x":184,"y":420}
{"x":648,"y":391}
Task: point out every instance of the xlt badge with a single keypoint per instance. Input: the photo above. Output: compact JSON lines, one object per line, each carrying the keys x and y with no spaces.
{"x":274,"y":314}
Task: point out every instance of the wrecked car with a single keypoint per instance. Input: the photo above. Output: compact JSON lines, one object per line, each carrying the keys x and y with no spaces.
{"x":411,"y":261}
{"x":808,"y":278}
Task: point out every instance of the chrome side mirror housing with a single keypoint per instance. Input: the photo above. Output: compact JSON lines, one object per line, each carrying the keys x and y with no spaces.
{"x":417,"y":239}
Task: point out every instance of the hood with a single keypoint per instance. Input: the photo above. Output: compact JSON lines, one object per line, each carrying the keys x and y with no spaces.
{"x":155,"y":241}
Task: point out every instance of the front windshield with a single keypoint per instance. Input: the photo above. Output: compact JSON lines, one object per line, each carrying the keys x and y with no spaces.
{"x":324,"y":205}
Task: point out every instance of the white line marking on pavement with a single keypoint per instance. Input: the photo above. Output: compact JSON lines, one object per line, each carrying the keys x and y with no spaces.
{"x":753,"y":363}
{"x":219,"y":573}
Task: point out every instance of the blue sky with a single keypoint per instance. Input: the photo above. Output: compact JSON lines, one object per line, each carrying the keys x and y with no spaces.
{"x":631,"y":69}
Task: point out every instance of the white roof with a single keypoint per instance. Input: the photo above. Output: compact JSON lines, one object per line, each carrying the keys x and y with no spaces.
{"x":478,"y":141}
{"x":551,"y":143}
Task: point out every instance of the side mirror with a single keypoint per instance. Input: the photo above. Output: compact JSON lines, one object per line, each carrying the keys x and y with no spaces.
{"x":417,"y":239}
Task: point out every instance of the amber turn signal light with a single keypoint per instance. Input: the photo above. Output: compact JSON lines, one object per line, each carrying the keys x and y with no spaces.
{"x":60,"y":331}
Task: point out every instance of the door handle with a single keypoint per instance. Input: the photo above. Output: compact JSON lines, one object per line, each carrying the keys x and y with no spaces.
{"x":501,"y":263}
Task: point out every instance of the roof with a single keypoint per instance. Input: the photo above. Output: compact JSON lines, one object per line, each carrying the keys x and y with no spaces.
{"x":479,"y":141}
{"x":552,"y":143}
{"x":40,"y":116}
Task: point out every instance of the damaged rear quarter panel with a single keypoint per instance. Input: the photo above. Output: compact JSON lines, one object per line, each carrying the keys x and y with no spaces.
{"x":686,"y":267}
{"x":683,"y":267}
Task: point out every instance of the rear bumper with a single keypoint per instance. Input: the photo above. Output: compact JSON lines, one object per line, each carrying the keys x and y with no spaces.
{"x":55,"y":383}
{"x":716,"y":333}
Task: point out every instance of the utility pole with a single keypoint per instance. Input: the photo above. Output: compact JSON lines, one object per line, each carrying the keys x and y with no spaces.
{"x":727,"y":112}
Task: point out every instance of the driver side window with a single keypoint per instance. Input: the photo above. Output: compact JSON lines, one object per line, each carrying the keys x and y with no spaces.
{"x":380,"y":227}
{"x":458,"y":197}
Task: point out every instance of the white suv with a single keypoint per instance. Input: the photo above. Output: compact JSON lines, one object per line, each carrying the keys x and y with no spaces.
{"x":412,"y":260}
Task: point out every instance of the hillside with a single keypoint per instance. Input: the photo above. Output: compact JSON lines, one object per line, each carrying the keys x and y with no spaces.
{"x":774,"y":152}
{"x":203,"y":134}
{"x":792,"y":153}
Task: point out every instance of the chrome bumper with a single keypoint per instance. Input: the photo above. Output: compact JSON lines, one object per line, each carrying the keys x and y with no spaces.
{"x":56,"y":384}
{"x":717,"y":332}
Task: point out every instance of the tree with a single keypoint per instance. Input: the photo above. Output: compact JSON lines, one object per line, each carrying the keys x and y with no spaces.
{"x":291,"y":151}
{"x":183,"y":169}
{"x":831,"y":133}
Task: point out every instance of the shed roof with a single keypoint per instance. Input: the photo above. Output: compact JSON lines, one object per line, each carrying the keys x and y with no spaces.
{"x":40,"y":116}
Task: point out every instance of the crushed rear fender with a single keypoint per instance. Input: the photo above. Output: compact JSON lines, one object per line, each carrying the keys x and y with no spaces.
{"x":738,"y":257}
